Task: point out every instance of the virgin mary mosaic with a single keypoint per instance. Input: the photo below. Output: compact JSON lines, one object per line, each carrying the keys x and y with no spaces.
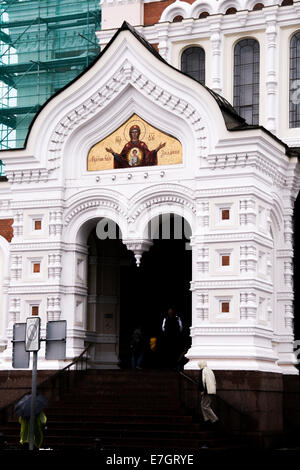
{"x":135,"y":144}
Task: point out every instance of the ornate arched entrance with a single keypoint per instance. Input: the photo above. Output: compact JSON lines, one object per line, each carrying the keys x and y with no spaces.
{"x":123,"y":293}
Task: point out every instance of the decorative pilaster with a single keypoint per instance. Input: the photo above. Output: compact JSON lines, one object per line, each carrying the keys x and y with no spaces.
{"x":247,"y":212}
{"x":202,"y":261}
{"x":288,"y":315}
{"x":202,"y":306}
{"x":54,"y":266}
{"x":14,"y":310}
{"x":55,"y":223}
{"x":53,"y":308}
{"x":288,"y":228}
{"x":271,"y":69}
{"x":18,"y":224}
{"x":16,"y":267}
{"x":203,"y":215}
{"x":163,"y":39}
{"x":248,"y":306}
{"x":288,"y":274}
{"x":248,"y":259}
{"x":216,"y":49}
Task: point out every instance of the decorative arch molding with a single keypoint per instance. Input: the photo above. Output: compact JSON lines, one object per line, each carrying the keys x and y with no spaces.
{"x":126,"y":76}
{"x":177,"y":8}
{"x":275,"y":224}
{"x":165,"y":208}
{"x":250,"y":4}
{"x":161,"y":193}
{"x":213,"y":7}
{"x":91,"y":198}
{"x":162,"y":199}
{"x":223,"y":7}
{"x":277,"y":212}
{"x":131,"y":216}
{"x":91,"y":206}
{"x":199,"y":7}
{"x":92,"y":211}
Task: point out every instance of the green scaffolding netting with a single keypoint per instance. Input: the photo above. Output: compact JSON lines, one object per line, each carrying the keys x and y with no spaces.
{"x":44,"y":44}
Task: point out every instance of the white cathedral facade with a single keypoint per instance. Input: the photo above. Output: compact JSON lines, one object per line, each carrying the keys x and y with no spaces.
{"x":233,"y":183}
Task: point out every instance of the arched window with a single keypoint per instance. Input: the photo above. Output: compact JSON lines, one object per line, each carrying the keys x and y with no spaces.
{"x":258,"y":6}
{"x":295,"y":80}
{"x":246,"y":80}
{"x":177,"y":19}
{"x":204,"y":14}
{"x":193,"y":63}
{"x":231,"y":11}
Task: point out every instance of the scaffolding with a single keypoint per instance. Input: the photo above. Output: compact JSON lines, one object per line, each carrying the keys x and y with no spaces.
{"x":44,"y":44}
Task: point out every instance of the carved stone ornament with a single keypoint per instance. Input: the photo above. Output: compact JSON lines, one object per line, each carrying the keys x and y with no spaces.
{"x":138,"y":247}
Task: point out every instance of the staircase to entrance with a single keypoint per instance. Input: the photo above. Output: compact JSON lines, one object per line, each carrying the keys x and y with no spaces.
{"x":125,"y":410}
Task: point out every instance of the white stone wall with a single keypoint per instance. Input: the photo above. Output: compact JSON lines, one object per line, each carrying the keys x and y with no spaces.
{"x":246,"y":172}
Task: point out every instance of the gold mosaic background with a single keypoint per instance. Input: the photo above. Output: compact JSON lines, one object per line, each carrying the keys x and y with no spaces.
{"x":100,"y":159}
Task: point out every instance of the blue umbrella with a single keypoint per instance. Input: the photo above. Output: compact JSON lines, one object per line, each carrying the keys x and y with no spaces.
{"x":23,"y":407}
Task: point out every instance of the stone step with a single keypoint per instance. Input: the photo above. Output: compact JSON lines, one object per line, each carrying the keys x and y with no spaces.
{"x":159,"y":420}
{"x":55,"y":441}
{"x":131,"y":403}
{"x":124,"y":409}
{"x":75,"y":426}
{"x":117,"y":409}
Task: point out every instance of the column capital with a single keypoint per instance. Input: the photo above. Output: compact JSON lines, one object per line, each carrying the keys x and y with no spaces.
{"x":138,"y":246}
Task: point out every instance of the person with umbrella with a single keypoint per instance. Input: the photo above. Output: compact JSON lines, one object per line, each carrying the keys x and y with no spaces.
{"x":23,"y":409}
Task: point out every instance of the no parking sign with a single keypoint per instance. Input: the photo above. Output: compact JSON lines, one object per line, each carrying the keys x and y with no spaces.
{"x":32,"y":338}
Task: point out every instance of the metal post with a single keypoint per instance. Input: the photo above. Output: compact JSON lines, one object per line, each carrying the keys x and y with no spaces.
{"x":33,"y":399}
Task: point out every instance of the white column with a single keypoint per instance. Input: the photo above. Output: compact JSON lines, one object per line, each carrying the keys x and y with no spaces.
{"x":216,"y":54}
{"x":272,"y":52}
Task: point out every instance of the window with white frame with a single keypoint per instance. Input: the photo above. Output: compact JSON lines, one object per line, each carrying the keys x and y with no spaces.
{"x":193,"y":63}
{"x":34,"y":310}
{"x":294,"y":108}
{"x":34,"y":267}
{"x":224,"y":260}
{"x":246,"y":80}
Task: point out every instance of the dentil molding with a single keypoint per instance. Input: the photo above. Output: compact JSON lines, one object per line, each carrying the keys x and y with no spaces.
{"x":126,"y":74}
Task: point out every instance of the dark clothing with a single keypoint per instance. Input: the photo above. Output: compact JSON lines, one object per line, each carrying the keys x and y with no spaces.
{"x":206,"y":408}
{"x":138,"y":346}
{"x":172,"y":340}
{"x":172,"y":326}
{"x":201,"y":387}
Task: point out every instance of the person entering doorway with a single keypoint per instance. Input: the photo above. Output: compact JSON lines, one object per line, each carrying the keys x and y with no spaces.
{"x":171,"y":338}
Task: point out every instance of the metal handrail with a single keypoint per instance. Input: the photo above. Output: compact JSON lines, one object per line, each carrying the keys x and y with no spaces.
{"x":50,"y":384}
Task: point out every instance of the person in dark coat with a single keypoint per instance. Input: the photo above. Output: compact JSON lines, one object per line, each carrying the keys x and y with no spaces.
{"x":137,"y":346}
{"x":171,"y":338}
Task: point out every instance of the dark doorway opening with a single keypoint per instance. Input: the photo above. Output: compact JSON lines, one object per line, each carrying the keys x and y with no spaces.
{"x":136,"y":296}
{"x":162,"y":281}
